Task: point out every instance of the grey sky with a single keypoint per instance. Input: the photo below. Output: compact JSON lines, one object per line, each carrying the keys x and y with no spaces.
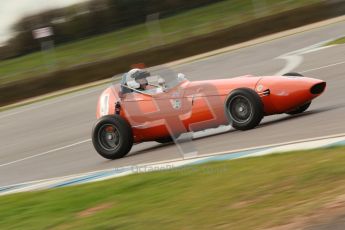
{"x":12,"y":10}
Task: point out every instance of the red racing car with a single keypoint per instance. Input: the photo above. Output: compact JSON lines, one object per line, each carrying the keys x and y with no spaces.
{"x":145,"y":107}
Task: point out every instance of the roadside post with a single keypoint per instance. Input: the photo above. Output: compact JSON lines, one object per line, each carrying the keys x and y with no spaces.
{"x":45,"y":36}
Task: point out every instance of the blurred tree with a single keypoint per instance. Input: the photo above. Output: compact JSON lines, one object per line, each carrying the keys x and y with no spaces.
{"x":91,"y":18}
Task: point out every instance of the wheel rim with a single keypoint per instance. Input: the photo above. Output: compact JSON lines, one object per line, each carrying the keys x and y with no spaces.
{"x":109,"y":137}
{"x":240,"y":109}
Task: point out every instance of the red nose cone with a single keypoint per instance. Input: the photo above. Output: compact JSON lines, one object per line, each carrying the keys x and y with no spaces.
{"x":287,"y":93}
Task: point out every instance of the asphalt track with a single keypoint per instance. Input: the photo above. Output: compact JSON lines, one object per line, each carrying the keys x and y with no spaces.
{"x":52,"y":138}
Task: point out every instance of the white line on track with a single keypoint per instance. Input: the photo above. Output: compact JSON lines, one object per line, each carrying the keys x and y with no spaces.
{"x":295,"y":58}
{"x":323,"y":67}
{"x":59,"y":100}
{"x":176,"y":160}
{"x":292,"y":62}
{"x":195,"y":136}
{"x":45,"y":153}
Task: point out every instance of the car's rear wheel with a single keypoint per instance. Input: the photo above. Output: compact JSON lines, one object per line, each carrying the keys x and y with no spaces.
{"x":244,"y":109}
{"x":301,"y":108}
{"x":293,"y":74}
{"x":112,"y":137}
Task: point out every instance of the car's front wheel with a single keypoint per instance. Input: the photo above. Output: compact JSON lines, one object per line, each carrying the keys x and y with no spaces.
{"x":112,"y":137}
{"x":244,"y":109}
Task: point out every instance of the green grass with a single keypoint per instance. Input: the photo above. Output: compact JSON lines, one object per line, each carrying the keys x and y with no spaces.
{"x":337,"y":41}
{"x":194,"y":22}
{"x":250,"y":193}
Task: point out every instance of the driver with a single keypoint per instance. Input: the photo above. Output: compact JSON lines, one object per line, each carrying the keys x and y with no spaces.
{"x":139,"y":76}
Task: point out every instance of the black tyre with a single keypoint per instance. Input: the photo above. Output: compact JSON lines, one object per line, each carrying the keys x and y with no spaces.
{"x":293,"y":74}
{"x":301,"y":108}
{"x":164,"y":140}
{"x":112,"y":137}
{"x":244,"y":109}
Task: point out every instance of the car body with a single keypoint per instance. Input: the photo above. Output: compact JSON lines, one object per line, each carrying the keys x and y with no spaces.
{"x":186,"y":106}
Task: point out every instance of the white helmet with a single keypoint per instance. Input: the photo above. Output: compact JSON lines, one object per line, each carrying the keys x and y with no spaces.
{"x":135,"y":74}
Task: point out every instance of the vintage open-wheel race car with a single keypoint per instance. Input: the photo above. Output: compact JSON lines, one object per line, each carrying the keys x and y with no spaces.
{"x":145,"y":107}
